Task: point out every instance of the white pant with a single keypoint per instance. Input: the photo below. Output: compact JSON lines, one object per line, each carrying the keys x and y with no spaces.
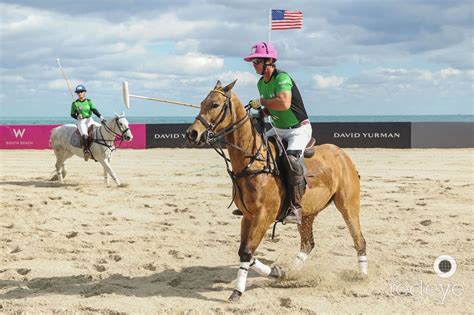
{"x":84,"y":124}
{"x":297,"y":138}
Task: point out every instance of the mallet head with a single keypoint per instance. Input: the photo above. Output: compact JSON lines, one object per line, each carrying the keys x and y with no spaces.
{"x":126,"y":94}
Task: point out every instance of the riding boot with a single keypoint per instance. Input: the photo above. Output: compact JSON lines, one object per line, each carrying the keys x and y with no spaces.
{"x":85,"y":147}
{"x":296,"y":188}
{"x":296,"y":194}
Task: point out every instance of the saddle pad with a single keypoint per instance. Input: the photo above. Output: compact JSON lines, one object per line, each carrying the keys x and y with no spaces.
{"x":75,"y":140}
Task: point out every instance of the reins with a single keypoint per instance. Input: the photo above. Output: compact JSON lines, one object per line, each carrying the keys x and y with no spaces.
{"x":112,"y":147}
{"x":217,"y":140}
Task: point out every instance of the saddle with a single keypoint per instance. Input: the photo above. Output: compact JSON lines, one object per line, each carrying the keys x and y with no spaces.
{"x":75,"y":139}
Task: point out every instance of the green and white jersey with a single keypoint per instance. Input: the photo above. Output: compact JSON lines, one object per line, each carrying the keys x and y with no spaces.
{"x":84,"y":107}
{"x":280,"y":82}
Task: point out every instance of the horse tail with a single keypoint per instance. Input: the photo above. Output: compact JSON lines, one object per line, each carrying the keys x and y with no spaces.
{"x":53,"y":138}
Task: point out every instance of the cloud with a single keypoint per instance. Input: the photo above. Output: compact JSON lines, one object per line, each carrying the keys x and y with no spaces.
{"x":328,"y":82}
{"x":178,"y":49}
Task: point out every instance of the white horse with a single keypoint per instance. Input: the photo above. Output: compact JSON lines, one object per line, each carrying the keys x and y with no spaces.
{"x":65,"y":141}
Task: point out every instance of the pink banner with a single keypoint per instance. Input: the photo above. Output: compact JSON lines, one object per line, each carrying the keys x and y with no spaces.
{"x":37,"y":137}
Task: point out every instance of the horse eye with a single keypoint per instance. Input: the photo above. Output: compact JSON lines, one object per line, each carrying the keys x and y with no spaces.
{"x":215,"y":105}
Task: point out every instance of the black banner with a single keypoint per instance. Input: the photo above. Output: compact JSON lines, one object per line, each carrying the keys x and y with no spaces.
{"x":346,"y":135}
{"x":364,"y":135}
{"x":168,"y":136}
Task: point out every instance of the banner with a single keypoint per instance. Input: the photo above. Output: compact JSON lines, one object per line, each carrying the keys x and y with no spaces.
{"x":25,"y":136}
{"x":37,"y":137}
{"x":364,"y":135}
{"x":168,"y":136}
{"x":345,"y":135}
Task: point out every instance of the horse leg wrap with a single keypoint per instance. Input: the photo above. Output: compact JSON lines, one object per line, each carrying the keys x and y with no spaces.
{"x":242,"y":276}
{"x":300,"y":259}
{"x":277,"y":272}
{"x":363,"y":264}
{"x":260,"y":267}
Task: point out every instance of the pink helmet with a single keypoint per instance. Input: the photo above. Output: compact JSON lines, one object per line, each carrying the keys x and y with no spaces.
{"x":262,"y":50}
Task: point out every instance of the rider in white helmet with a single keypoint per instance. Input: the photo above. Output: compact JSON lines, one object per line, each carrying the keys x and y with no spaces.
{"x":82,"y":109}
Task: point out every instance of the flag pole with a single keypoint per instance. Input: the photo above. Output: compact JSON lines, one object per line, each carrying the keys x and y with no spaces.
{"x":269,"y":25}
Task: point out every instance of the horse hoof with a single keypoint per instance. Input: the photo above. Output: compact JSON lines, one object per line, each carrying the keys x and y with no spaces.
{"x":235,"y":296}
{"x":277,"y":272}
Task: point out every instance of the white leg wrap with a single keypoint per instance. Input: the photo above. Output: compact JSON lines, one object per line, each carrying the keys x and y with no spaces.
{"x":300,"y":259}
{"x":363,"y":264}
{"x":242,"y":276}
{"x":260,"y":267}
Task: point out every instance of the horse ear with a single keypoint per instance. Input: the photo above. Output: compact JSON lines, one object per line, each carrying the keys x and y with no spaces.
{"x":229,"y":86}
{"x":122,"y":114}
{"x":218,"y":85}
{"x":116,"y":115}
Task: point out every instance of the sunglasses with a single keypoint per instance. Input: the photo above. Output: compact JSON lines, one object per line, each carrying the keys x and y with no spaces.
{"x":257,"y":61}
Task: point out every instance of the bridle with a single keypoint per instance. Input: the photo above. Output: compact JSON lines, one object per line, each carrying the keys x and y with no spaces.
{"x":122,"y":131}
{"x":211,"y":136}
{"x":217,"y":139}
{"x":104,"y":142}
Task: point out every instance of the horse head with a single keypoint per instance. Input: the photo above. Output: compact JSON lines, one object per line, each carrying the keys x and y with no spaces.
{"x":119,"y":125}
{"x":215,"y":116}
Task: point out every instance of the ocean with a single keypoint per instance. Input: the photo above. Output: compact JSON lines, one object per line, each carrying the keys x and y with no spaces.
{"x":190,"y":119}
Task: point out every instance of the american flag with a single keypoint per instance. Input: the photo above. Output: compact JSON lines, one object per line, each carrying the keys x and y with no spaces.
{"x":286,"y":19}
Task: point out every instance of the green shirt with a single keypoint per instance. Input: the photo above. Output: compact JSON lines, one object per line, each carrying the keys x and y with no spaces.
{"x":280,"y":82}
{"x":84,"y":108}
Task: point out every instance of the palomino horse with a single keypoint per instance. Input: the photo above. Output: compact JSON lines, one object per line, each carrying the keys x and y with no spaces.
{"x":259,"y":194}
{"x":64,"y":137}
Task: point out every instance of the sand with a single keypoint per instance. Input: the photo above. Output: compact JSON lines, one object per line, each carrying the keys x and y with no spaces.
{"x":166,"y":242}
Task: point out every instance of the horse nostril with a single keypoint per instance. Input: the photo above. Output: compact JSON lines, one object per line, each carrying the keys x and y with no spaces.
{"x":191,"y":135}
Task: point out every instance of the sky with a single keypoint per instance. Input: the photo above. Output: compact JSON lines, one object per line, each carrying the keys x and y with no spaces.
{"x":392,"y":57}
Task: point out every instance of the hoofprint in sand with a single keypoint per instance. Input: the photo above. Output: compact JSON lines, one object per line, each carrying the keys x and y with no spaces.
{"x":166,"y":242}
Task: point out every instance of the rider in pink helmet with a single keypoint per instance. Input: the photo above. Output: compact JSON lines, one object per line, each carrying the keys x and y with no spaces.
{"x":262,"y":50}
{"x":281,"y":98}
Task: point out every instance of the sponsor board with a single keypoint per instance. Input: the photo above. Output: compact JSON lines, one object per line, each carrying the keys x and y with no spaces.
{"x":25,"y":136}
{"x":348,"y":135}
{"x":37,"y":137}
{"x":442,"y":135}
{"x":364,"y":135}
{"x":139,"y":138}
{"x":168,"y":136}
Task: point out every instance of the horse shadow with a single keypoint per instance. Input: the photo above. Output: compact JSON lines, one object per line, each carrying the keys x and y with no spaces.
{"x":190,"y":282}
{"x":37,"y":183}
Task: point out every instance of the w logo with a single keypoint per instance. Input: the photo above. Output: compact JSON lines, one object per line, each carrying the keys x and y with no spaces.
{"x":19,"y":132}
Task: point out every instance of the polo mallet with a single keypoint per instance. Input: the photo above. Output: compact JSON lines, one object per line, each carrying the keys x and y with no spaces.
{"x":64,"y":76}
{"x":127,"y":95}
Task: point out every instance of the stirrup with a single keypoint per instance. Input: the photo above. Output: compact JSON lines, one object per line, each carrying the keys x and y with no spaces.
{"x":294,"y":216}
{"x":87,"y":155}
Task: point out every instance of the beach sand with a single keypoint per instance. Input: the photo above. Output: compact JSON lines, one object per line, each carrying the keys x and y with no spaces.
{"x":166,"y":242}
